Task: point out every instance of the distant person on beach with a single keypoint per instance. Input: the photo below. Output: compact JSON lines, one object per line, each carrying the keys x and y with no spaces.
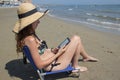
{"x":44,"y":58}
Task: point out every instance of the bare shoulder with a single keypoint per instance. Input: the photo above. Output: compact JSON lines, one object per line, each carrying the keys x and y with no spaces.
{"x":29,"y":39}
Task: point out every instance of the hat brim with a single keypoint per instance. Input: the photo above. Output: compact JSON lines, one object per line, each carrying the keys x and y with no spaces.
{"x":22,"y":23}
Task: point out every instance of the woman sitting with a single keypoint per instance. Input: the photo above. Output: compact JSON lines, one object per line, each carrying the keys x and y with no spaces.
{"x":25,"y":35}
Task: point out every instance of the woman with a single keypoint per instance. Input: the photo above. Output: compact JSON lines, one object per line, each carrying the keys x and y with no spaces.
{"x":25,"y":35}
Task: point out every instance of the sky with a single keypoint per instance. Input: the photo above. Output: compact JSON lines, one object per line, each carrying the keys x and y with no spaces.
{"x":78,"y":1}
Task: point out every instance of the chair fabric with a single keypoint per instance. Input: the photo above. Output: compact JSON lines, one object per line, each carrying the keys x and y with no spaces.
{"x":40,"y":72}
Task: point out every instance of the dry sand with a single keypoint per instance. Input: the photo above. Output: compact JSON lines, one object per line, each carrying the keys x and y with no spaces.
{"x":104,"y":46}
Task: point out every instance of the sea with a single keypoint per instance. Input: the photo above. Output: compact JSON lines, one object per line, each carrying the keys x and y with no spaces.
{"x":100,"y":17}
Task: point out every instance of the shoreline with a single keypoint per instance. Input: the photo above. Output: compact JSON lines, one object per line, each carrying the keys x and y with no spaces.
{"x":102,"y":45}
{"x":89,"y":25}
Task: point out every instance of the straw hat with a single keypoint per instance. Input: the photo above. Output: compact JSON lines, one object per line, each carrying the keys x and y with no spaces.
{"x":27,"y":14}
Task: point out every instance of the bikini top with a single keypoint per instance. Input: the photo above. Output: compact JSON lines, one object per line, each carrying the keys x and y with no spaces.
{"x":42,"y":46}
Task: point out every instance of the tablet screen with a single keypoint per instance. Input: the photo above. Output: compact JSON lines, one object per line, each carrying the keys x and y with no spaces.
{"x":64,"y":43}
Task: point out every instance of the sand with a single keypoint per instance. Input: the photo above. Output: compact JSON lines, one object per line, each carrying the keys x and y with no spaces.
{"x":102,"y":45}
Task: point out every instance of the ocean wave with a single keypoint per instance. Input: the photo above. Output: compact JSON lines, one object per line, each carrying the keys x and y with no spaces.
{"x":110,"y":11}
{"x":103,"y":16}
{"x":89,"y":14}
{"x":113,"y":28}
{"x":104,"y":23}
{"x":70,"y":9}
{"x":96,"y":15}
{"x":93,"y":22}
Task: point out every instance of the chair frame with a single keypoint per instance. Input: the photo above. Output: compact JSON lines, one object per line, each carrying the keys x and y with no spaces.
{"x":40,"y":72}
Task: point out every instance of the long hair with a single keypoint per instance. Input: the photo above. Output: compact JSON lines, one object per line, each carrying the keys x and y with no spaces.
{"x":27,"y":31}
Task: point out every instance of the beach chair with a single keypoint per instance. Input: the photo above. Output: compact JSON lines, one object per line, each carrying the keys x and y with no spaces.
{"x":40,"y":72}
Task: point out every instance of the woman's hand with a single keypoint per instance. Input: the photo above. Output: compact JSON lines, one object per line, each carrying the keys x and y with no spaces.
{"x":55,"y":50}
{"x":61,"y":50}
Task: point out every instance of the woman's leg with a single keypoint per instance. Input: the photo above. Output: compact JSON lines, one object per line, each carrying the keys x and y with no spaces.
{"x":83,"y":53}
{"x":72,"y":53}
{"x":79,"y":51}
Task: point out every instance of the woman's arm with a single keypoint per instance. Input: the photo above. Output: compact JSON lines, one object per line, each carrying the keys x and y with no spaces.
{"x":31,"y":43}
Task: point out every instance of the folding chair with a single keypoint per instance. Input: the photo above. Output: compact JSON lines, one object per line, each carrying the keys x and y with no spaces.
{"x":40,"y":72}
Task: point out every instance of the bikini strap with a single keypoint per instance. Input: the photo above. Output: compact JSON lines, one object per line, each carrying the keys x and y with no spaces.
{"x":36,"y":36}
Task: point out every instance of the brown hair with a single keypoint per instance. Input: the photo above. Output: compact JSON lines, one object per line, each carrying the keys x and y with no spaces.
{"x":27,"y":31}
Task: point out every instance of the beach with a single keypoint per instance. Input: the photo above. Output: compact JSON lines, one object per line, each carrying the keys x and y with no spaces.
{"x":102,"y":45}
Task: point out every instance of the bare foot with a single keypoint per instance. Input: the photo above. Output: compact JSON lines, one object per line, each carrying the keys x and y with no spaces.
{"x":90,"y":59}
{"x":81,"y":68}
